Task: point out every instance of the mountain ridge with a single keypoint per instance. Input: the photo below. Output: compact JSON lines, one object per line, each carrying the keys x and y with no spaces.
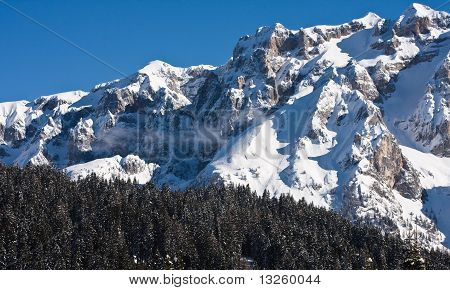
{"x":339,"y":115}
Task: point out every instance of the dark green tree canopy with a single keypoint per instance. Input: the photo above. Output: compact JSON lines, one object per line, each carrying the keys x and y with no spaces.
{"x":50,"y":222}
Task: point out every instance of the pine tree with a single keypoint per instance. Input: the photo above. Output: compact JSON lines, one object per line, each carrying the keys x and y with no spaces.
{"x":414,"y":259}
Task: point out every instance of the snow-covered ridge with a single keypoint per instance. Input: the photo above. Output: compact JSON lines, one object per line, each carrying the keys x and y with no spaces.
{"x":419,"y":10}
{"x":130,"y":168}
{"x":352,"y":117}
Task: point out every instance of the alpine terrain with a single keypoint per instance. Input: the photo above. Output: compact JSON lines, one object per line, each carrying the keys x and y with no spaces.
{"x":353,"y":117}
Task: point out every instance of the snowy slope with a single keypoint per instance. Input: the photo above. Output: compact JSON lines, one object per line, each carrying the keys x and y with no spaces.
{"x":435,"y":178}
{"x":130,"y":167}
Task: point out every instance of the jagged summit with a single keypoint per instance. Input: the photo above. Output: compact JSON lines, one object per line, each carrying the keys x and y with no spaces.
{"x":155,"y":65}
{"x":419,"y":10}
{"x":346,"y":116}
{"x":422,"y":20}
{"x":369,"y":20}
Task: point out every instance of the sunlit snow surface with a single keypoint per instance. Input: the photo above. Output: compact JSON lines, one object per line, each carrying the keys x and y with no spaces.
{"x":114,"y":167}
{"x":435,"y":178}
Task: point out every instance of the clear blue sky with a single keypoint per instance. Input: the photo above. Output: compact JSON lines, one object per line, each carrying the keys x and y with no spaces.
{"x":129,"y":34}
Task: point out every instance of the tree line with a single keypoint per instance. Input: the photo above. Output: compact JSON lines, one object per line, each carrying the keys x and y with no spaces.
{"x":48,"y":221}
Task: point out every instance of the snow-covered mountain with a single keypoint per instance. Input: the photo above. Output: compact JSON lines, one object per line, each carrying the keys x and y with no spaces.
{"x":353,"y":117}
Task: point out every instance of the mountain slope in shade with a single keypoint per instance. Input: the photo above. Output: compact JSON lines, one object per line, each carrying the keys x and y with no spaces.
{"x":352,"y":117}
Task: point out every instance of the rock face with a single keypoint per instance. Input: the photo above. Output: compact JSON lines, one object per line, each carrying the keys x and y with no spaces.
{"x":323,"y":113}
{"x":395,"y":170}
{"x":429,"y":124}
{"x":419,"y":20}
{"x":133,"y":164}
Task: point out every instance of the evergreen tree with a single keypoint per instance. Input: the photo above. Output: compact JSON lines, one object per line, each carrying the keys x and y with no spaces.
{"x":48,"y":221}
{"x":414,"y":259}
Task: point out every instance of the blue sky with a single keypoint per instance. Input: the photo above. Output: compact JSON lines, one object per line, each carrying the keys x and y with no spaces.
{"x":129,"y":34}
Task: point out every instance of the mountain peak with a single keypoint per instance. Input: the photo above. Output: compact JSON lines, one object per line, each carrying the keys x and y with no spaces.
{"x":155,"y":66}
{"x":421,"y":11}
{"x":269,"y":30}
{"x":369,"y":20}
{"x":419,"y":20}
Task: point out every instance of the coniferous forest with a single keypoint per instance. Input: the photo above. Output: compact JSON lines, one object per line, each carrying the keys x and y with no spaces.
{"x":50,"y":222}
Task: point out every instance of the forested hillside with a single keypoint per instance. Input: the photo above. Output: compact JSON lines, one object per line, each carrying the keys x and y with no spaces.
{"x":50,"y":222}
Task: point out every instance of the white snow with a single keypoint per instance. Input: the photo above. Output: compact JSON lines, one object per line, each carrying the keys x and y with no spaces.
{"x":83,"y":134}
{"x":369,"y":21}
{"x":157,"y":73}
{"x":437,"y":207}
{"x":13,"y":112}
{"x":419,"y":10}
{"x":111,"y":168}
{"x":435,"y":178}
{"x":67,"y":97}
{"x":434,"y":171}
{"x":411,"y":86}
